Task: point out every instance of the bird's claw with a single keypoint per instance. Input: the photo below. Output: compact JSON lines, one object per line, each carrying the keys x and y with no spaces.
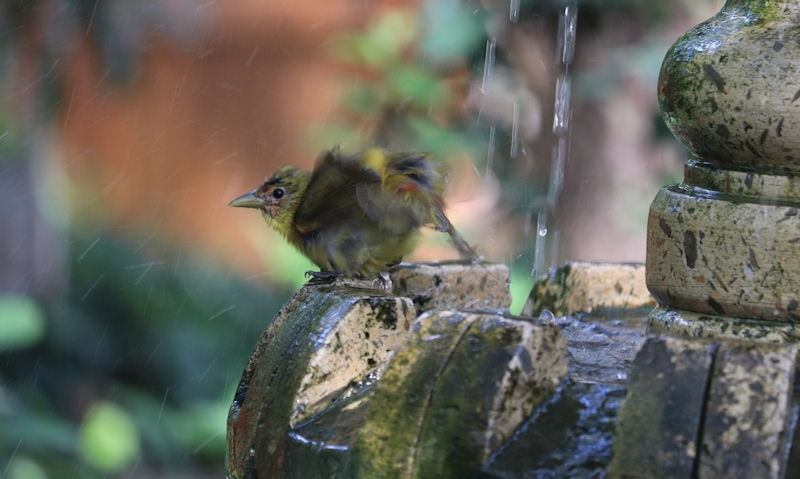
{"x":382,"y":281}
{"x":323,"y":276}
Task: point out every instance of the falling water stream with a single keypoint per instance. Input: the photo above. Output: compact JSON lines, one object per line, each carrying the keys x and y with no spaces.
{"x":547,"y":237}
{"x":570,"y":435}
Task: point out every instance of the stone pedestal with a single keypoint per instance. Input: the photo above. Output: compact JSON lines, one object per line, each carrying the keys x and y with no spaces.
{"x":350,"y":380}
{"x":722,"y":259}
{"x":706,"y":409}
{"x":726,"y":242}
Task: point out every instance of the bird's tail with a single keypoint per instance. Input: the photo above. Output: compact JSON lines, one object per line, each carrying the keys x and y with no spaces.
{"x":464,"y":249}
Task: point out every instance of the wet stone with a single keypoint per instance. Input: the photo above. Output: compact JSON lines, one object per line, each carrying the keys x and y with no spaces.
{"x":723,"y":255}
{"x":732,"y":105}
{"x":748,"y":411}
{"x":456,"y":391}
{"x":304,"y":407}
{"x":453,"y":285}
{"x":571,"y":434}
{"x":677,"y":322}
{"x":724,"y":242}
{"x":330,"y":341}
{"x":602,"y":349}
{"x":354,"y":350}
{"x":581,"y":287}
{"x":659,"y":424}
{"x":697,"y":408}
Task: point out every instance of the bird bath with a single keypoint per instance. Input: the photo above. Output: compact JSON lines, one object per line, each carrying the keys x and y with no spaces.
{"x":427,"y":375}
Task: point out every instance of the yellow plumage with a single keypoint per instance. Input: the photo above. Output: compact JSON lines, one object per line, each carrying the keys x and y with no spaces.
{"x":355,"y":215}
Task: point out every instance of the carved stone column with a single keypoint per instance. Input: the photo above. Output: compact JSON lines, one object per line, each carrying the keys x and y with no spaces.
{"x":725,"y":244}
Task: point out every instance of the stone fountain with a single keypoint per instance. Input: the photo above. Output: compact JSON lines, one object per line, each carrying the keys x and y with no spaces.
{"x":426,"y":374}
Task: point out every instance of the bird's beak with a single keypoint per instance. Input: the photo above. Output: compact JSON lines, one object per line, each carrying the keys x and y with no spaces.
{"x":248,"y":200}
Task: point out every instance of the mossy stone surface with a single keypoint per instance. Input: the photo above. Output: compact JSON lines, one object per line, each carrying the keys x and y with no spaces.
{"x":706,"y":409}
{"x":729,"y":87}
{"x":677,"y":322}
{"x":658,"y":428}
{"x":726,"y":242}
{"x":453,"y":285}
{"x":303,"y":359}
{"x":748,"y":411}
{"x":585,"y":287}
{"x":455,"y":392}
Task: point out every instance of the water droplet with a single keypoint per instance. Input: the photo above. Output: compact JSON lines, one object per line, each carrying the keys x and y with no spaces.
{"x":562,"y":110}
{"x":513,"y":11}
{"x":490,"y":153}
{"x":542,"y":232}
{"x":488,"y":66}
{"x":514,"y":130}
{"x":567,"y":27}
{"x":540,"y":246}
{"x":252,"y":452}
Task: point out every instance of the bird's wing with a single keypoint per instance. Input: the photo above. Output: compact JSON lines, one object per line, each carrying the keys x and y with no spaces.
{"x":417,"y":175}
{"x":400,"y":202}
{"x":331,"y":194}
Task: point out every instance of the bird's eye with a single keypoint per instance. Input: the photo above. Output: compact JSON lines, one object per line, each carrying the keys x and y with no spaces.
{"x":278,"y":193}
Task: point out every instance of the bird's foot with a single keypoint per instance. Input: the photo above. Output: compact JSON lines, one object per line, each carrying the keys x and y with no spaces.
{"x":384,"y":281}
{"x":478,"y":259}
{"x":324,"y":276}
{"x":381,"y":281}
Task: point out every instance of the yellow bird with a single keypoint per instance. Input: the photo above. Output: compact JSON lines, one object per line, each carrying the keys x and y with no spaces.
{"x":355,"y":215}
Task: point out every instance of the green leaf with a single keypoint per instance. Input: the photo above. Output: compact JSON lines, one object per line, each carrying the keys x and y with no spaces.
{"x":22,"y":322}
{"x":108,"y":438}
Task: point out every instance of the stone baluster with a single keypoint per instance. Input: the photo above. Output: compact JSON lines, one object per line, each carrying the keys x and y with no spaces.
{"x":722,"y":247}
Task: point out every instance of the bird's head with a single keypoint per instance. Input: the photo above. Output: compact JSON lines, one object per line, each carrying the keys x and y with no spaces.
{"x":278,"y":197}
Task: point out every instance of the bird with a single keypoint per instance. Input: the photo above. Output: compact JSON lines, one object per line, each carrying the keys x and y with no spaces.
{"x":355,"y":215}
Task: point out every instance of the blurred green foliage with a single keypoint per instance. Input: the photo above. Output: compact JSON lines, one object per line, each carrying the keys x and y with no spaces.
{"x":21,"y":322}
{"x":143,"y":355}
{"x":401,"y":99}
{"x":108,"y":439}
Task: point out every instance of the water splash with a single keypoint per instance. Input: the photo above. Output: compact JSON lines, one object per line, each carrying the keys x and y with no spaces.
{"x":546,"y":252}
